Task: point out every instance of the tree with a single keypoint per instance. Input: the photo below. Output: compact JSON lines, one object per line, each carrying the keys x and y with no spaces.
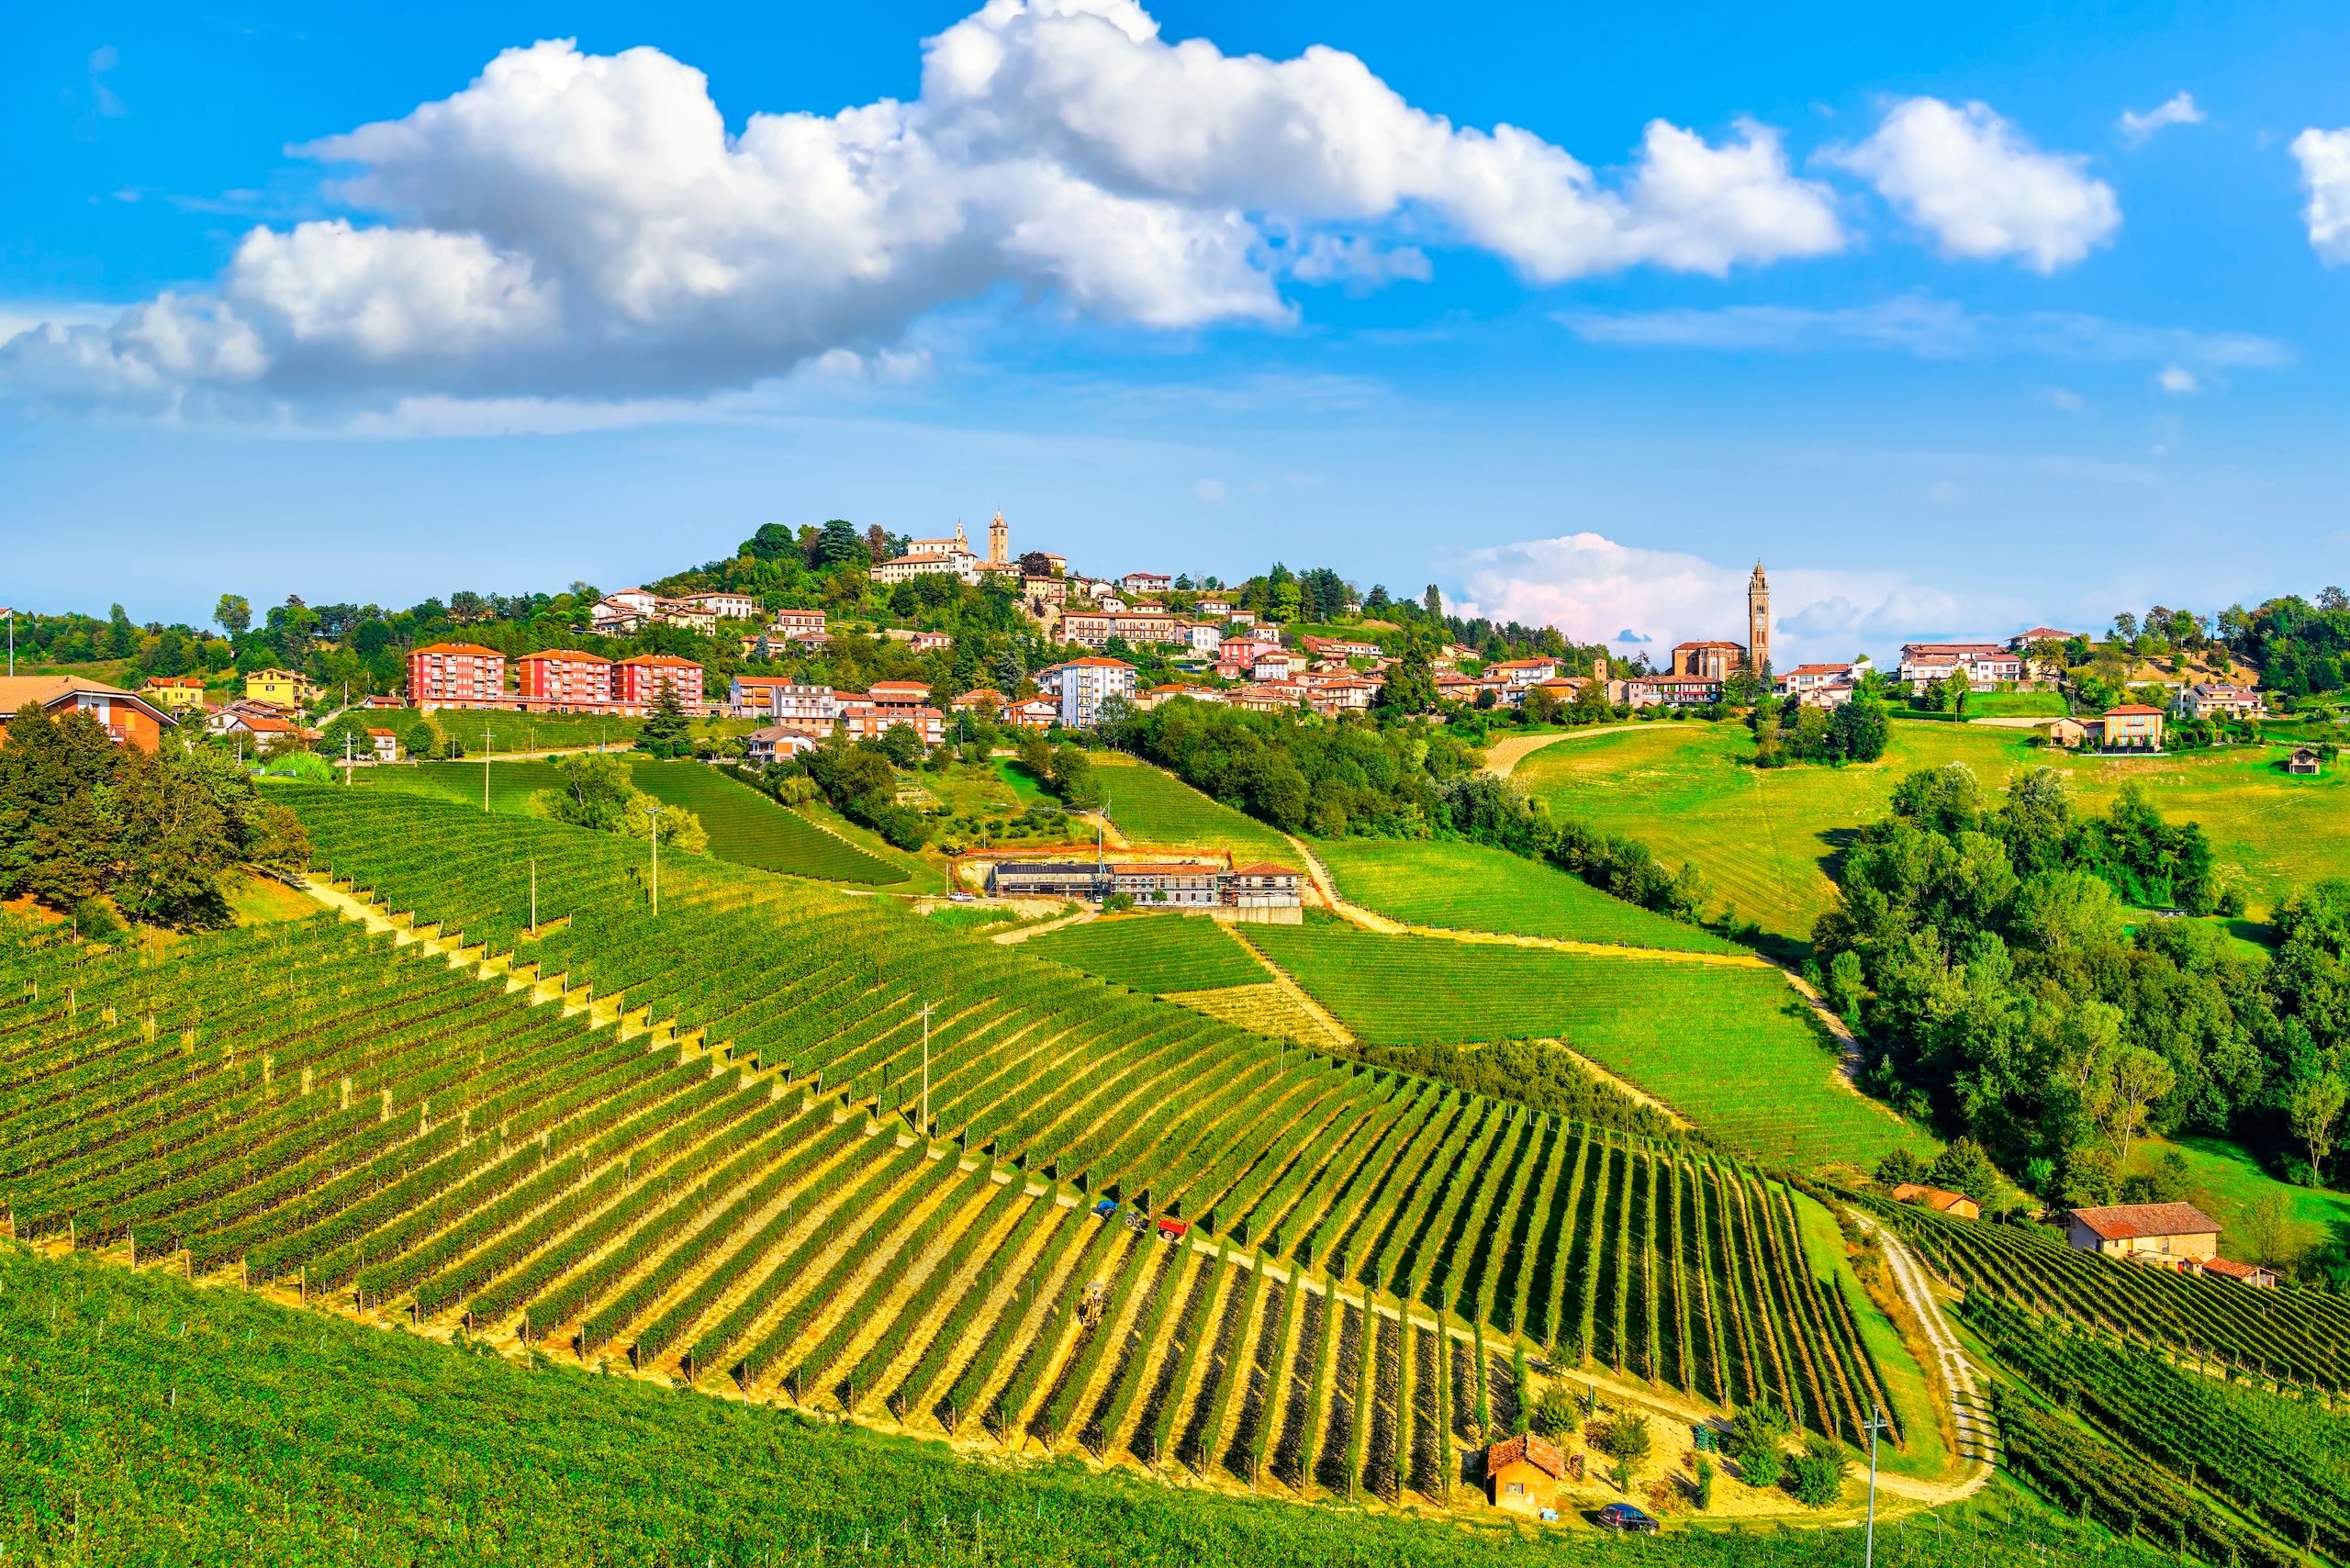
{"x":420,"y":740}
{"x":1705,"y":1482}
{"x":235,"y":613}
{"x":1816,"y":1476}
{"x":1755,"y":1434}
{"x":1555,"y":1413}
{"x":773,"y":542}
{"x":1433,"y":602}
{"x":1626,"y":1441}
{"x":2314,"y":1110}
{"x":2131,"y":1080}
{"x":1859,"y":730}
{"x":668,"y":733}
{"x":347,"y":735}
{"x":1411,"y":686}
{"x":838,"y":544}
{"x":901,"y":745}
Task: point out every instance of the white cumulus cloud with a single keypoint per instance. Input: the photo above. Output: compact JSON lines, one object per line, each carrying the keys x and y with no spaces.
{"x":2179,"y":108}
{"x":1981,"y":187}
{"x":574,"y":225}
{"x":2324,"y":157}
{"x":2177,"y":380}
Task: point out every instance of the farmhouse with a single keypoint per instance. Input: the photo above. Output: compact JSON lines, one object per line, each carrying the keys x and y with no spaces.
{"x":1523,"y":1472}
{"x":2161,"y":1232}
{"x":2251,"y":1275}
{"x":2133,"y":726}
{"x":2304,"y":760}
{"x":128,"y":718}
{"x":1939,"y":1200}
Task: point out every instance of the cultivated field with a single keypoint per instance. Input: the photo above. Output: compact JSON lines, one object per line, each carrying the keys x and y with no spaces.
{"x":743,"y":825}
{"x":730,"y":1185}
{"x":1158,"y":953}
{"x":1730,"y":1047}
{"x":1153,"y":807}
{"x":1469,"y":887}
{"x":1767,"y":840}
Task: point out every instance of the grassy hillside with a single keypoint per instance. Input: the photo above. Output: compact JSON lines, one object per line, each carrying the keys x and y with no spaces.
{"x":200,"y":1425}
{"x":1731,"y":1048}
{"x":1153,"y":807}
{"x":1468,"y":886}
{"x":745,"y":826}
{"x":1153,"y":952}
{"x":1767,"y":840}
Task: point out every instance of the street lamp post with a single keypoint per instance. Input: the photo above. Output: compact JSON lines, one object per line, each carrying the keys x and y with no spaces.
{"x":1876,"y":1423}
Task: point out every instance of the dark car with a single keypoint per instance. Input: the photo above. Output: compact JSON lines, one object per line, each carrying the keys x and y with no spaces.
{"x":1623,"y":1516}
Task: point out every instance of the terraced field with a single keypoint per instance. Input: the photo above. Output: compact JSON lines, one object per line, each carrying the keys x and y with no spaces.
{"x":740,"y":1191}
{"x":745,"y":826}
{"x":1159,"y":953}
{"x":1152,"y":806}
{"x":1767,"y":840}
{"x":1457,"y":886}
{"x":1730,"y":1046}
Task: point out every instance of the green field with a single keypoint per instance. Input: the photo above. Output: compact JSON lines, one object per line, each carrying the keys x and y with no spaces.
{"x":1730,"y":1046}
{"x":2016,"y":705}
{"x":1153,"y":807}
{"x":1158,"y":953}
{"x":2231,"y":1185}
{"x":743,"y":825}
{"x":1469,"y":887}
{"x":1766,"y":839}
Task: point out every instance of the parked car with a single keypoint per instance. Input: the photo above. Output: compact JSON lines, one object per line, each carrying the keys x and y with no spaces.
{"x":1624,"y":1516}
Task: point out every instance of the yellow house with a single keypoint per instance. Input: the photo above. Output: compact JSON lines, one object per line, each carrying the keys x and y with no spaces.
{"x":279,"y":688}
{"x":176,"y":693}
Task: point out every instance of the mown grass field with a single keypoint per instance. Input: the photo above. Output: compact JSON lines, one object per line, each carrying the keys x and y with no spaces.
{"x":1730,"y":1046}
{"x":1159,"y":953}
{"x":1469,"y":887}
{"x":2016,"y":705}
{"x":2231,"y":1186}
{"x":1767,"y":840}
{"x":743,"y":825}
{"x":1153,"y":807}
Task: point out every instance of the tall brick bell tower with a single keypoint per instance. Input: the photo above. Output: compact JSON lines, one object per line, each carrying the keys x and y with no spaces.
{"x":1758,"y":621}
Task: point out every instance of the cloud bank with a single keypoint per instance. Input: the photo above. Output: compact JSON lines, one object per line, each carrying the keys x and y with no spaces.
{"x":2324,"y":158}
{"x":1584,"y":583}
{"x":581,"y":225}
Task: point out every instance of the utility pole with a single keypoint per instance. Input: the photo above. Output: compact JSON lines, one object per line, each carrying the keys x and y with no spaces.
{"x":11,"y":614}
{"x":1876,"y":1423}
{"x":925,"y":1071}
{"x":485,"y":769}
{"x":346,"y":759}
{"x":534,"y":895}
{"x":655,"y":812}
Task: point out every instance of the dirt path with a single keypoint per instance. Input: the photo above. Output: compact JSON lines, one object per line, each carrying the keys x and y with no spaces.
{"x":1503,"y":756}
{"x":1019,"y":933}
{"x":1977,"y":1439}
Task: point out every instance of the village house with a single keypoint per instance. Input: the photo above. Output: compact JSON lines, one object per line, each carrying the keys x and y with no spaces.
{"x":1033,"y":713}
{"x":1261,"y":886}
{"x":929,"y":642}
{"x":1275,"y":664}
{"x":1810,"y":678}
{"x":1239,"y":655}
{"x":1154,"y":696}
{"x":1201,"y":636}
{"x":2251,"y":1275}
{"x":256,"y":727}
{"x":871,"y":720}
{"x":1220,"y":607}
{"x":753,"y":696}
{"x":1524,"y":672}
{"x":774,"y":742}
{"x":2303,"y":761}
{"x":1147,"y":584}
{"x":176,"y":693}
{"x":1938,"y":1199}
{"x":898,"y":693}
{"x":2131,"y":727}
{"x":2038,"y":668}
{"x":725,"y":606}
{"x":984,"y":700}
{"x":793,"y":626}
{"x":127,"y":718}
{"x":1984,"y":665}
{"x":1339,"y":648}
{"x":1523,"y":1473}
{"x":456,"y":675}
{"x":2217,"y":699}
{"x":278,"y":687}
{"x":1094,"y":628}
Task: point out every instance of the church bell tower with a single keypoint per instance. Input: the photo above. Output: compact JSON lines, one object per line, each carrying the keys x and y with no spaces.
{"x":1758,"y":621}
{"x":998,"y":538}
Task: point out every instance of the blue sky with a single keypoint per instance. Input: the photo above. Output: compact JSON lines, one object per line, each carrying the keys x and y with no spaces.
{"x":1895,"y":298}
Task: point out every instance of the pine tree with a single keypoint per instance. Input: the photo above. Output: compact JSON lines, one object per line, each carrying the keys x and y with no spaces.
{"x":667,"y":732}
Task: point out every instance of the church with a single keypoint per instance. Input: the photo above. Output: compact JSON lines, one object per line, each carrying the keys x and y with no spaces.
{"x":1715,"y":661}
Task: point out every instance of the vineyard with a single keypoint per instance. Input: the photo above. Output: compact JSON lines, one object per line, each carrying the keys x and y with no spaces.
{"x":2289,"y":1334}
{"x":1730,"y":1047}
{"x":727,"y":1184}
{"x":119,"y":1389}
{"x":1152,"y":806}
{"x":2284,"y":1464}
{"x":745,"y":826}
{"x":1156,"y":953}
{"x":1458,"y":886}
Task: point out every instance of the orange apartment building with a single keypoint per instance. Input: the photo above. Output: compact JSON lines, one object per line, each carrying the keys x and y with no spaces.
{"x":127,"y":718}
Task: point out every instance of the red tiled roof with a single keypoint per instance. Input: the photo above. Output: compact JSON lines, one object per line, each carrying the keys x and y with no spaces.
{"x":1539,"y":1451}
{"x":1095,"y":664}
{"x":564,"y":654}
{"x":2233,"y":1271}
{"x":1264,"y":868}
{"x":2131,"y":709}
{"x":475,"y":648}
{"x":2123,"y":1221}
{"x":663,"y":661}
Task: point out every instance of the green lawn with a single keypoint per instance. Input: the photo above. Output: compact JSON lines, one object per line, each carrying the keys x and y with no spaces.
{"x":1766,"y":840}
{"x":1469,"y":887}
{"x":2232,"y":1184}
{"x":1730,"y":1046}
{"x":1158,"y":953}
{"x":2016,"y":705}
{"x":743,"y":825}
{"x":1154,"y":808}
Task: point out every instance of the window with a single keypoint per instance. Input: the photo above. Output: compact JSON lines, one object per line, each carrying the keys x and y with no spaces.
{"x":1514,"y":1489}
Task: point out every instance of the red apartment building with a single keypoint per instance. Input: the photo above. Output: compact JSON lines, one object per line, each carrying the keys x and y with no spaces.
{"x":456,"y":675}
{"x":564,"y":676}
{"x":643,"y":678}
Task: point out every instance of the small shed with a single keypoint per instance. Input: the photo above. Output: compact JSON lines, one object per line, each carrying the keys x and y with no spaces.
{"x":1938,"y":1199}
{"x":1523,"y":1471}
{"x":2251,"y":1275}
{"x":2070,"y":733}
{"x":2304,"y":761}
